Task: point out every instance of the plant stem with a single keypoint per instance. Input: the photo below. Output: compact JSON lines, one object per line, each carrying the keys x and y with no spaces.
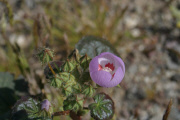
{"x":51,"y":69}
{"x":61,"y":113}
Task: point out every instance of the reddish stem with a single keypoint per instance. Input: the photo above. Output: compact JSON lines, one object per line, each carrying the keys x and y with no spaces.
{"x":61,"y":113}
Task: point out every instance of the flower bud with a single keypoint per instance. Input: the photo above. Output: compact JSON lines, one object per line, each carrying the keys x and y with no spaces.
{"x":45,"y":105}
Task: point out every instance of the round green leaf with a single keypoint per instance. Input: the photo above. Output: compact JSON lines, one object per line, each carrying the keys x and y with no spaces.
{"x":28,"y":106}
{"x":10,"y":90}
{"x":93,"y":46}
{"x":103,"y":108}
{"x":28,"y":109}
{"x":6,"y":80}
{"x":7,"y":92}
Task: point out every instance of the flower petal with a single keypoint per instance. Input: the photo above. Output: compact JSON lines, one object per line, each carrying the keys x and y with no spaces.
{"x":105,"y":58}
{"x":118,"y":76}
{"x":121,"y":62}
{"x":45,"y":105}
{"x":115,"y":59}
{"x":101,"y":78}
{"x":108,"y":56}
{"x":93,"y":65}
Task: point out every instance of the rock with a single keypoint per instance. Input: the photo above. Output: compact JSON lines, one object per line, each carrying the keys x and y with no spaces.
{"x":175,"y":78}
{"x":173,"y":49}
{"x":21,"y":40}
{"x":174,"y":114}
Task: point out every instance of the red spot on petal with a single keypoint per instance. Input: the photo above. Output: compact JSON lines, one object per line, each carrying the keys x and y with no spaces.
{"x":99,"y":67}
{"x":113,"y":75}
{"x":111,"y":66}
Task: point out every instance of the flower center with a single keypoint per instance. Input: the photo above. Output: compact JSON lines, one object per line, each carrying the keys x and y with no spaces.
{"x":107,"y":70}
{"x":109,"y":67}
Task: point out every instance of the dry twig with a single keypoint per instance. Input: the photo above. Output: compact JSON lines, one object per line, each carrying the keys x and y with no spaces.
{"x":168,"y":109}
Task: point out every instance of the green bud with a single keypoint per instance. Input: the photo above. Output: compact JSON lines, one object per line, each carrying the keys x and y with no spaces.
{"x":66,"y":77}
{"x":73,"y":102}
{"x":77,"y":72}
{"x":77,"y":88}
{"x":85,"y":77}
{"x":84,"y":61}
{"x":72,"y":62}
{"x":74,"y":56}
{"x":68,"y":66}
{"x":68,"y":87}
{"x":45,"y":55}
{"x":46,"y":109}
{"x":67,"y":90}
{"x":88,"y":90}
{"x":56,"y":81}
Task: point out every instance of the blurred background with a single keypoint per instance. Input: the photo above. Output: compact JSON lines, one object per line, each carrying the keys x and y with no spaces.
{"x":146,"y":35}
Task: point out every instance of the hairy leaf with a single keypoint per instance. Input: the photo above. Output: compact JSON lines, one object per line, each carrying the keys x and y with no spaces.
{"x":28,"y":106}
{"x":103,"y":108}
{"x":28,"y":109}
{"x":93,"y":46}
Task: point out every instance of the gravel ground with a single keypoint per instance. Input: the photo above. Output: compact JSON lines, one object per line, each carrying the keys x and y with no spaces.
{"x":152,"y":58}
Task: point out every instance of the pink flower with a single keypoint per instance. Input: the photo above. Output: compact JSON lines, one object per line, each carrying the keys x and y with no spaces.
{"x":107,"y":70}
